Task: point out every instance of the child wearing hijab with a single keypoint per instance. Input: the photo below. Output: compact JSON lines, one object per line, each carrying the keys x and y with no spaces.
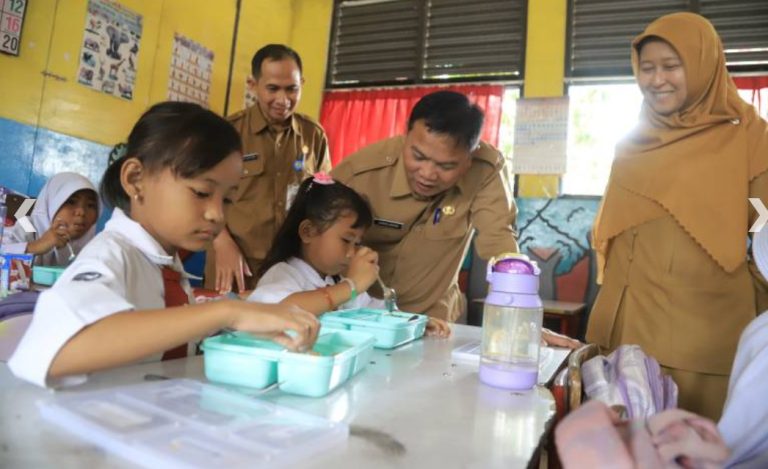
{"x":65,"y":213}
{"x":671,"y":234}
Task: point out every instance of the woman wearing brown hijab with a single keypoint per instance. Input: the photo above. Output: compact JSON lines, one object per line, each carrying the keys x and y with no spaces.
{"x":671,"y":235}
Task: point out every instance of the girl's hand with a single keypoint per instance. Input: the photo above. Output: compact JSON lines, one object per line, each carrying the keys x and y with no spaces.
{"x":55,"y":237}
{"x":273,"y":321}
{"x":364,"y":268}
{"x":438,"y":328}
{"x":229,"y":263}
{"x":554,"y":339}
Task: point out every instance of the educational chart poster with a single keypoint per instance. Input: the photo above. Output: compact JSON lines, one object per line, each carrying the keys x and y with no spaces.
{"x":191,"y":70}
{"x":541,"y":135}
{"x":110,"y":50}
{"x":11,"y":19}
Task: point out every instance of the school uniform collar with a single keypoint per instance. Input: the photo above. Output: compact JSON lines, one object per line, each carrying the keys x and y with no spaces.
{"x":259,"y":123}
{"x":136,"y":234}
{"x":310,"y":273}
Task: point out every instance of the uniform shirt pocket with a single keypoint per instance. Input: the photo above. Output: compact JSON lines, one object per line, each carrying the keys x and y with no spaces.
{"x":252,"y":168}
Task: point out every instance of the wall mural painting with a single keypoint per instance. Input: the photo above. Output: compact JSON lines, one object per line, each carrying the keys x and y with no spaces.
{"x":555,"y":233}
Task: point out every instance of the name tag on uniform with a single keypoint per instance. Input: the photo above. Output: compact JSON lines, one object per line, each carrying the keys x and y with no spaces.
{"x":388,"y":223}
{"x":250,"y":157}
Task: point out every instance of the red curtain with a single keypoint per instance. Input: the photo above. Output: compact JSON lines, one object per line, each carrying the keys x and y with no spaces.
{"x":354,"y":119}
{"x":759,"y":88}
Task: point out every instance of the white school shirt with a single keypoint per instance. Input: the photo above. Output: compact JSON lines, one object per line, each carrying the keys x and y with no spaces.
{"x":119,"y":270}
{"x":295,"y":275}
{"x":744,"y":424}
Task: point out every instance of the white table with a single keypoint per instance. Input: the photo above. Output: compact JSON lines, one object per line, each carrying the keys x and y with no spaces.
{"x":411,"y":407}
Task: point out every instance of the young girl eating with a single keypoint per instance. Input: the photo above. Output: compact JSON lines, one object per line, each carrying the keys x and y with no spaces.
{"x":125,"y":298}
{"x":316,"y":261}
{"x":64,"y":218}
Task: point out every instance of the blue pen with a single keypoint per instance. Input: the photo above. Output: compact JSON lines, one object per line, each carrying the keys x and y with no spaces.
{"x":436,"y":216}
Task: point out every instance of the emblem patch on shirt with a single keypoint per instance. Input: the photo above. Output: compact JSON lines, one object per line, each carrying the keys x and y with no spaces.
{"x":87,"y":276}
{"x":250,"y":157}
{"x":388,"y":223}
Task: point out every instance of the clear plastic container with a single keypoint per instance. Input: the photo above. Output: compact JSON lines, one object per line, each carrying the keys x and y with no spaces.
{"x":187,"y":424}
{"x":241,"y":359}
{"x":390,"y":329}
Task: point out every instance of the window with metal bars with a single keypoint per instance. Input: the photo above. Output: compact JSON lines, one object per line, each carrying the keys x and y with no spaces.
{"x":600,"y":32}
{"x":378,"y":42}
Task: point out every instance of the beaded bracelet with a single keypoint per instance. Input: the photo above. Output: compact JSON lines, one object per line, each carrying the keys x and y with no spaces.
{"x":352,"y":287}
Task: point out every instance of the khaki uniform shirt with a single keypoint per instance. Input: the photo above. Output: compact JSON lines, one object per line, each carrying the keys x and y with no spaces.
{"x":661,"y":290}
{"x":269,"y":155}
{"x":420,"y":255}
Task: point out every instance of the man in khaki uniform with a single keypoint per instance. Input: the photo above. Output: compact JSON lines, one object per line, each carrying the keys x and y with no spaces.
{"x":429,"y":191}
{"x":280,"y":149}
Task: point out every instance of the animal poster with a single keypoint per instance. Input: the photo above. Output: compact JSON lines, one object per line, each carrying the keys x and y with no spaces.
{"x":109,"y":55}
{"x":541,"y":131}
{"x":190,"y":73}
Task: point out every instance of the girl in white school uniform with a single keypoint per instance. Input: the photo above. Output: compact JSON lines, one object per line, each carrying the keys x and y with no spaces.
{"x":109,"y":307}
{"x":316,"y":261}
{"x":65,"y":213}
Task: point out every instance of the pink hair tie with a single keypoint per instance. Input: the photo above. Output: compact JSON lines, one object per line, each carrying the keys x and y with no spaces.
{"x":323,"y":178}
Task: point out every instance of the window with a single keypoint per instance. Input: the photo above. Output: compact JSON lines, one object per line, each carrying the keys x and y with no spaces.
{"x":600,"y":32}
{"x":380,"y":42}
{"x":599,"y":116}
{"x":507,"y":128}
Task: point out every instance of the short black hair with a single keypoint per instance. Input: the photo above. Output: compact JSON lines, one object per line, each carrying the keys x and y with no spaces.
{"x":184,"y":137}
{"x":321,"y":204}
{"x":451,"y":113}
{"x":273,"y":52}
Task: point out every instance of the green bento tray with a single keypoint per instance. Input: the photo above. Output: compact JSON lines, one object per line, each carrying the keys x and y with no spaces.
{"x":390,"y":329}
{"x":241,"y":359}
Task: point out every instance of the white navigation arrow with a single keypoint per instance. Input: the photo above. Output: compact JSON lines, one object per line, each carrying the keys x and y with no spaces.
{"x":762,"y":214}
{"x":23,"y":220}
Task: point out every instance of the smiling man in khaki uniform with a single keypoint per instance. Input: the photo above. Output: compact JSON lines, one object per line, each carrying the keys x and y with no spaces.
{"x":280,"y":149}
{"x":429,"y":191}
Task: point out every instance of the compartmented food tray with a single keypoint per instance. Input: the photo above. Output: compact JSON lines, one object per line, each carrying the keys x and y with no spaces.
{"x":390,"y":329}
{"x":240,"y":359}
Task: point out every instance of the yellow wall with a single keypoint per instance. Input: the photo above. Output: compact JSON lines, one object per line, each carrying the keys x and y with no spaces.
{"x":211,"y":27}
{"x":301,"y":24}
{"x":76,"y":110}
{"x":21,"y":79}
{"x":52,"y":40}
{"x":544,"y":74}
{"x":310,"y":34}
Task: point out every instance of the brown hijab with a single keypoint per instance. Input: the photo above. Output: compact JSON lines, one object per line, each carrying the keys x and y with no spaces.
{"x":695,"y":164}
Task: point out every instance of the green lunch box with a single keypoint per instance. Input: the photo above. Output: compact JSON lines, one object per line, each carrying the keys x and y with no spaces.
{"x":241,"y":359}
{"x":390,"y":329}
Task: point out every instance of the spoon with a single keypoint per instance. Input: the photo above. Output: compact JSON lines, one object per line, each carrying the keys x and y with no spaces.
{"x":390,"y":297}
{"x":71,"y":253}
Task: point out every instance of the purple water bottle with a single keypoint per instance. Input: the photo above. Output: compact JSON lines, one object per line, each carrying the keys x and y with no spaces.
{"x":512,"y":319}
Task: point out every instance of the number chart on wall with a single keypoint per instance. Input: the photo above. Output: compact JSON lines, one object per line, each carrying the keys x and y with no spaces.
{"x":190,"y":73}
{"x":11,"y":19}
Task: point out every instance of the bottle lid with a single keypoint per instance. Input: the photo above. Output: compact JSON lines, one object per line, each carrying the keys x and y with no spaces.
{"x":513,"y":263}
